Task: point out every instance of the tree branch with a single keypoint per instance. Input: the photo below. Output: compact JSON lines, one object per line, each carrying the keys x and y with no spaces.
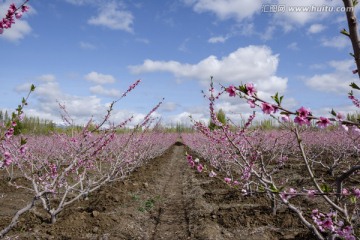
{"x":353,"y":31}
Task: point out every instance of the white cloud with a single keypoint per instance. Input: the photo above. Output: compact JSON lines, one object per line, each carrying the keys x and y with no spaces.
{"x":17,"y":32}
{"x":296,"y":12}
{"x":99,"y":78}
{"x":184,"y":118}
{"x":293,"y":46}
{"x":86,"y":45}
{"x":111,"y":16}
{"x":79,"y":2}
{"x":219,"y":39}
{"x":255,"y":64}
{"x":316,"y":28}
{"x":183,"y":46}
{"x":46,"y":78}
{"x":122,"y":115}
{"x":25,"y":87}
{"x":142,"y":40}
{"x":98,"y":89}
{"x":342,"y":66}
{"x":225,"y":9}
{"x":168,"y":106}
{"x":267,"y":35}
{"x":336,"y":42}
{"x":239,"y":111}
{"x":328,"y":82}
{"x":337,"y":81}
{"x":317,"y":66}
{"x":246,"y":29}
{"x":48,"y":94}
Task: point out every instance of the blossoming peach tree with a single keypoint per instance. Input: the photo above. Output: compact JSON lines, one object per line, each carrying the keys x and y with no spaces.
{"x":9,"y":146}
{"x":256,"y":161}
{"x":61,"y":168}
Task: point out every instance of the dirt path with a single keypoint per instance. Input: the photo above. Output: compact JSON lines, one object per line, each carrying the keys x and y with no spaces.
{"x":172,"y":220}
{"x":164,"y":199}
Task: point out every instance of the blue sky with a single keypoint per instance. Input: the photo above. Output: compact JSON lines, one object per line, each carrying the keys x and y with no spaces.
{"x":85,"y":53}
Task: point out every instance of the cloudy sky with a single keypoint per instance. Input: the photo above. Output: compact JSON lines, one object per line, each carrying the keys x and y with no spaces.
{"x":86,"y":53}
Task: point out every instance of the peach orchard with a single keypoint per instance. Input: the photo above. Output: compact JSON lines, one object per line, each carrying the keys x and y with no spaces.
{"x":61,"y":168}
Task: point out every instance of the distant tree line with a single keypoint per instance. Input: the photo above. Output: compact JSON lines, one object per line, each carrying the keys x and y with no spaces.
{"x":36,"y":125}
{"x":29,"y":125}
{"x":175,"y":128}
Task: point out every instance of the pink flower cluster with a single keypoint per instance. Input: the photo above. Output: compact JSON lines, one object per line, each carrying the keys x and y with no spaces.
{"x":229,"y":180}
{"x":23,"y":150}
{"x":287,"y":195}
{"x":212,"y":174}
{"x":131,"y":87}
{"x":356,"y":193}
{"x":246,"y":174}
{"x":9,"y":133}
{"x":311,"y":193}
{"x":195,"y":163}
{"x":302,"y":116}
{"x":355,"y":101}
{"x":251,"y":90}
{"x":54,"y":172}
{"x":231,"y":90}
{"x":12,"y":13}
{"x":327,"y":223}
{"x":7,"y":159}
{"x":323,"y":122}
{"x":268,"y":108}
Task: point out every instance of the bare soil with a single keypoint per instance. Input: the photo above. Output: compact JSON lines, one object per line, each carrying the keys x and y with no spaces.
{"x":164,"y":199}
